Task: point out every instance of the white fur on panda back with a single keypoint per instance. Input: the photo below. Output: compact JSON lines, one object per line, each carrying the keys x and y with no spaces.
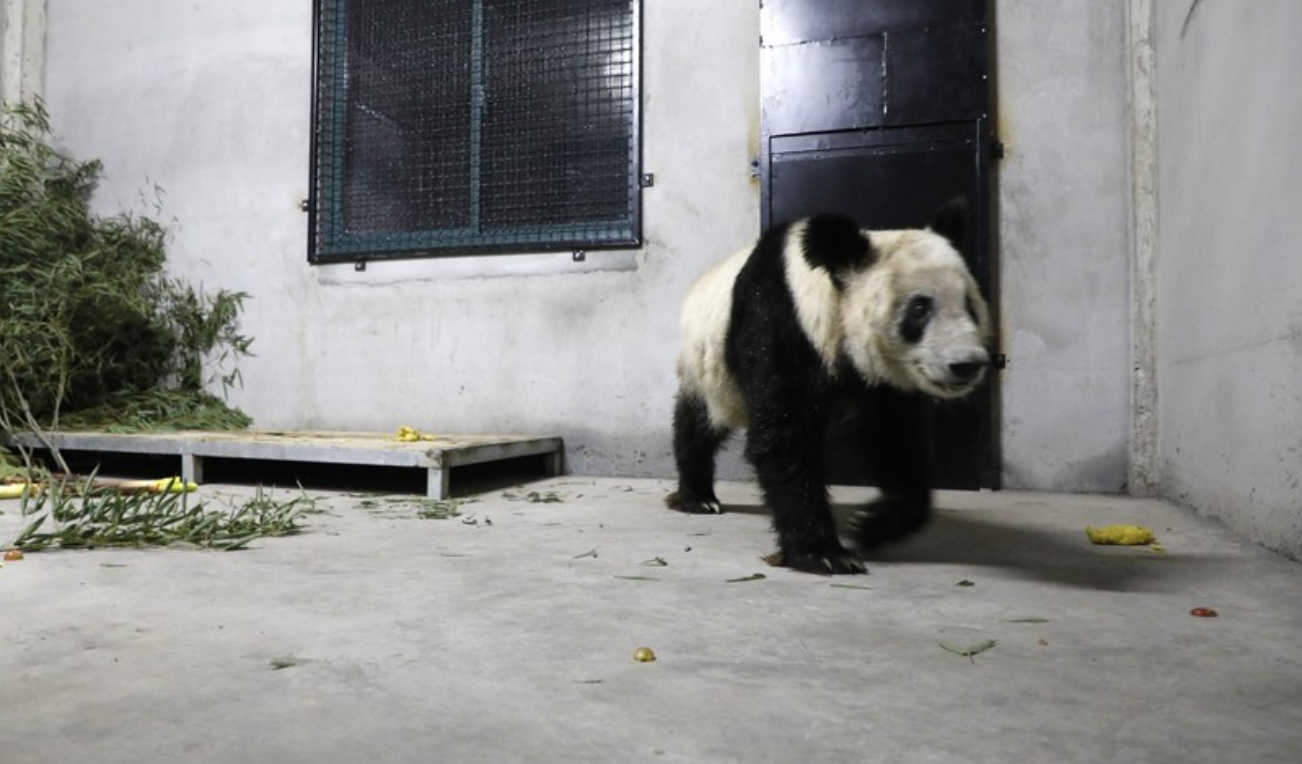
{"x":702,"y":368}
{"x":816,"y":297}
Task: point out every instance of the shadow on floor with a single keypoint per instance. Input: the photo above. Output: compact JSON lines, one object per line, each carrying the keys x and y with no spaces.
{"x":1048,"y":551}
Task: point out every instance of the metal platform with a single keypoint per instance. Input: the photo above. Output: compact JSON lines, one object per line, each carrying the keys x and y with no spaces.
{"x":436,"y":454}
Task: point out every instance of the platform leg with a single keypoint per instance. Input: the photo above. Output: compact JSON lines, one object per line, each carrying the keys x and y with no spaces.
{"x":191,"y":468}
{"x":552,"y":463}
{"x":438,"y":486}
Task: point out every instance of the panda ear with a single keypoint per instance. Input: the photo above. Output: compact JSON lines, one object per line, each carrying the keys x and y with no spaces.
{"x":835,"y":244}
{"x":951,"y":221}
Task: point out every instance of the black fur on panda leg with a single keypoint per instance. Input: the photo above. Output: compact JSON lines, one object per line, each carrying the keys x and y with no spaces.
{"x":890,"y":518}
{"x":789,"y":464}
{"x":900,"y":453}
{"x":696,"y":443}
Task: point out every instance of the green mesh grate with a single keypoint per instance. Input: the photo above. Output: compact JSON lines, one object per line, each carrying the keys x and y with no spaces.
{"x":445,"y":127}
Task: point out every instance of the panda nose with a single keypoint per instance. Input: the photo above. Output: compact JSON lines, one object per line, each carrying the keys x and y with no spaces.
{"x":967,"y":370}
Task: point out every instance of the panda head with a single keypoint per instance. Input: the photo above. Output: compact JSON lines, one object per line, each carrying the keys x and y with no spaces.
{"x":914,"y":317}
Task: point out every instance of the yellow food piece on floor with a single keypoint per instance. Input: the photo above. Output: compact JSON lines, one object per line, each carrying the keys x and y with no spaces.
{"x":173,"y":485}
{"x":1121,"y":535}
{"x":411,"y":435}
{"x":14,"y":490}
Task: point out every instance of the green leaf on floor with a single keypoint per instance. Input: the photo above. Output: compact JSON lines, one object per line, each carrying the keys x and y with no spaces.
{"x":971,"y":650}
{"x":438,"y":509}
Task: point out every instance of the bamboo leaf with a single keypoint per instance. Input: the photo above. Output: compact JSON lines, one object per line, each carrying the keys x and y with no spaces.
{"x":970,"y":651}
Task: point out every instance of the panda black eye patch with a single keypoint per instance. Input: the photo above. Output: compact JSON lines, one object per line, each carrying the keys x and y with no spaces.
{"x":916,"y":315}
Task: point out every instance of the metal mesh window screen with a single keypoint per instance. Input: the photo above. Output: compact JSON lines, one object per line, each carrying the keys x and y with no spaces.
{"x":445,"y":127}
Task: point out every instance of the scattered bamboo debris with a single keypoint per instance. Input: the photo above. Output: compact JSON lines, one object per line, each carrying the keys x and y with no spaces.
{"x":67,"y":514}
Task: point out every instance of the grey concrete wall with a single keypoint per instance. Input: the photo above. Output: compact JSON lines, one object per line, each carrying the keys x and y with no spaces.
{"x":1064,"y":250}
{"x":22,"y":49}
{"x":1230,"y":263}
{"x":210,"y":102}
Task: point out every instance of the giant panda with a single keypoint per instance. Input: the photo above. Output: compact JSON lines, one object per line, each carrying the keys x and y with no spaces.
{"x":819,"y":311}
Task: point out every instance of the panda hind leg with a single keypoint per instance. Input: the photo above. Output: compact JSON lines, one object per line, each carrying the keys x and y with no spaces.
{"x":898,"y":444}
{"x":890,"y":518}
{"x":696,"y":444}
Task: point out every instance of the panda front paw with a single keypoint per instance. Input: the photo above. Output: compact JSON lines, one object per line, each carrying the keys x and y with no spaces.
{"x":692,"y":505}
{"x":707,"y":507}
{"x":886,"y":521}
{"x":825,"y":562}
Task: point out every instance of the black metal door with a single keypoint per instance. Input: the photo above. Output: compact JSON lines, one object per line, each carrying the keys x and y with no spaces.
{"x":880,"y":109}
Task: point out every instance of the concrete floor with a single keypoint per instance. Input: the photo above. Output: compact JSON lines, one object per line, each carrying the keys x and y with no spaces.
{"x":380,"y":637}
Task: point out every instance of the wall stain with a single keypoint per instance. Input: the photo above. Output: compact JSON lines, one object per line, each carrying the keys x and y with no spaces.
{"x":1188,"y":17}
